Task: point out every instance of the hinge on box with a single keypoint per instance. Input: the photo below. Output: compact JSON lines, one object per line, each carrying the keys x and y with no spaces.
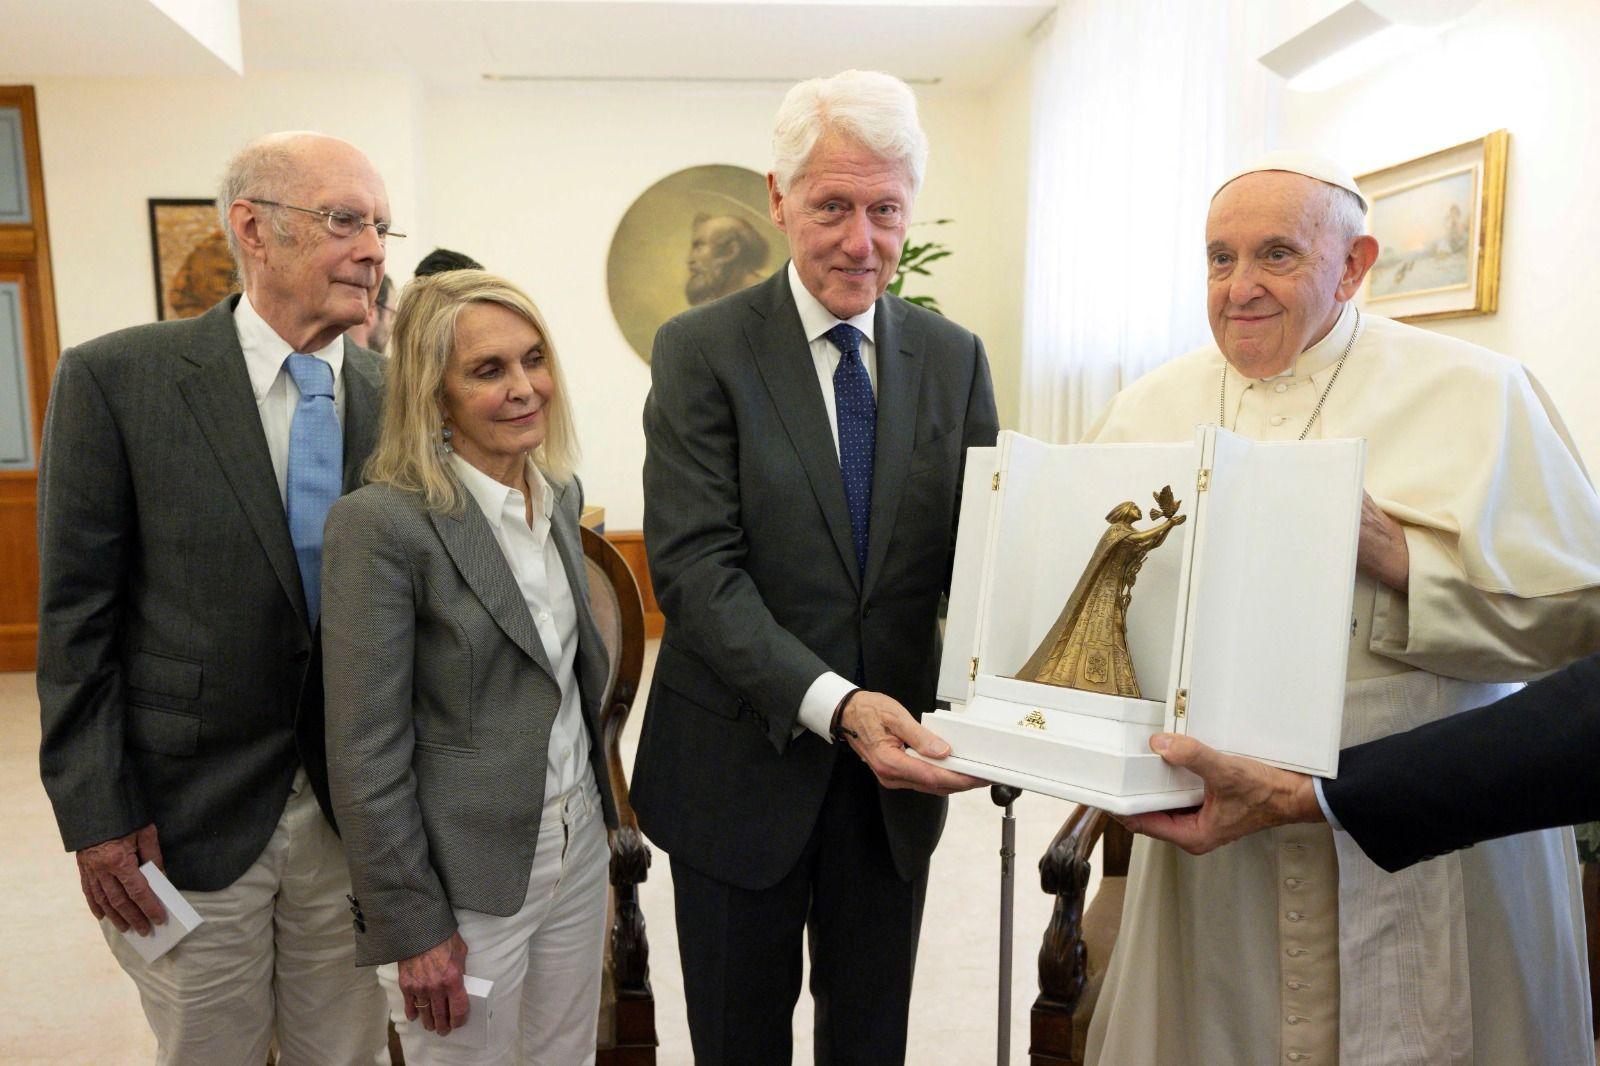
{"x":994,"y":482}
{"x":1180,"y":703}
{"x":1202,"y":480}
{"x":972,"y":675}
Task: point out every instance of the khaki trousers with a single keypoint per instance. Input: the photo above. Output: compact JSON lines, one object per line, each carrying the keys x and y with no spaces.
{"x":274,"y":956}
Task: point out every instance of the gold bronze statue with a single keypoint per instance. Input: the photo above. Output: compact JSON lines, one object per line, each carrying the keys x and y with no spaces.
{"x":1087,"y":648}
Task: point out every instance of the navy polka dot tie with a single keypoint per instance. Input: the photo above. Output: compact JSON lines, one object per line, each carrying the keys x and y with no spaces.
{"x":858,"y":432}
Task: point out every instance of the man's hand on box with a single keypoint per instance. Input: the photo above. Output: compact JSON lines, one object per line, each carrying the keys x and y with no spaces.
{"x":880,"y":730}
{"x":1242,"y":797}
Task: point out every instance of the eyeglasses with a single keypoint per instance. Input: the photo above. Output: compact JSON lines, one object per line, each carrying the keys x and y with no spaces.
{"x":340,"y":223}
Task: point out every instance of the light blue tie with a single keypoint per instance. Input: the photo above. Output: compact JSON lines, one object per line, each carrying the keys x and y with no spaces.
{"x":857,"y":415}
{"x":316,"y":470}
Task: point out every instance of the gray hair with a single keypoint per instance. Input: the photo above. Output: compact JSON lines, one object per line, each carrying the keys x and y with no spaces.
{"x":261,"y":170}
{"x":1343,"y":213}
{"x":878,"y":110}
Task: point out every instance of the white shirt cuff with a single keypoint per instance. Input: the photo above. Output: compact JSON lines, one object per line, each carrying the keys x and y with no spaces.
{"x":1327,"y":811}
{"x":820,"y":701}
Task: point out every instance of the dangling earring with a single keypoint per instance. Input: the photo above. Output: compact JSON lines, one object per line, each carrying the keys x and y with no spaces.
{"x":445,"y":435}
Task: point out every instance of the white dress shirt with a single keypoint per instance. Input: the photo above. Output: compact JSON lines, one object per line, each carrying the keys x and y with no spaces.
{"x":266,"y":357}
{"x":531,"y":553}
{"x":817,"y":706}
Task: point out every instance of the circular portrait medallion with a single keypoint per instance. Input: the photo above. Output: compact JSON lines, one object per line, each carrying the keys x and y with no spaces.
{"x":690,"y":238}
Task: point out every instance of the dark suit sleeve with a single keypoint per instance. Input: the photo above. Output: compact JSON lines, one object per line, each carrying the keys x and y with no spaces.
{"x":87,"y":534}
{"x":696,"y":543}
{"x":368,"y":647}
{"x":1529,"y":761}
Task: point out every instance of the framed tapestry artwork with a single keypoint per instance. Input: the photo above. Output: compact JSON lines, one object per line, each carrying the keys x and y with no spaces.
{"x":1438,"y":224}
{"x":192,"y":266}
{"x":692,"y":237}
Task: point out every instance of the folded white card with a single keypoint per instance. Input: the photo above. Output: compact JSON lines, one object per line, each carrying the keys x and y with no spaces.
{"x":181,"y":918}
{"x":475,"y":1034}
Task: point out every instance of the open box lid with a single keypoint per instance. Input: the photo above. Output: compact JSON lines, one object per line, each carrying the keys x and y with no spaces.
{"x":1270,"y":578}
{"x":1247,"y":601}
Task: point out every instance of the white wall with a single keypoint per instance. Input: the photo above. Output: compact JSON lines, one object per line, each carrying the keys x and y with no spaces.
{"x":529,"y":179}
{"x":1528,"y":66}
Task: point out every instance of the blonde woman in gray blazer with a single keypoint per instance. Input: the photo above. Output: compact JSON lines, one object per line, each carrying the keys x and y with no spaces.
{"x":463,"y":673}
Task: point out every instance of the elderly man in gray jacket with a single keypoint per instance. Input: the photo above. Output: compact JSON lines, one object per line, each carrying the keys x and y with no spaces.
{"x":187,"y":470}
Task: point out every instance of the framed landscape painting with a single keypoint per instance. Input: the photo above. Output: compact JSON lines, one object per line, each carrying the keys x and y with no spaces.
{"x":193,"y":267}
{"x":1438,"y":223}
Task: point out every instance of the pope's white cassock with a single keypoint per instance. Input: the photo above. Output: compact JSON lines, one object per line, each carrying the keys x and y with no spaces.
{"x":1291,"y":946}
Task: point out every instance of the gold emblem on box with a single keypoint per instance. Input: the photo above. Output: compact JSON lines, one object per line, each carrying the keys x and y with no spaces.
{"x":1087,"y":648}
{"x":1034,"y":720}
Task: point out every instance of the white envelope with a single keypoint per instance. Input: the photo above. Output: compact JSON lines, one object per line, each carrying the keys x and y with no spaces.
{"x":475,"y":1034}
{"x":181,"y":918}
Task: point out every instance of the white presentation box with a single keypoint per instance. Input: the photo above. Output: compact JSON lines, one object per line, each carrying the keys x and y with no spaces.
{"x":1239,"y":627}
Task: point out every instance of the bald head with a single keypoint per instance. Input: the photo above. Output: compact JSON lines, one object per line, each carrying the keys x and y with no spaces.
{"x":1284,"y":253}
{"x":271,"y":168}
{"x":301,"y":213}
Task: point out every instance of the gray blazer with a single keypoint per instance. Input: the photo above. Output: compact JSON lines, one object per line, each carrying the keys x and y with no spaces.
{"x":179,"y":681}
{"x":750,"y":550}
{"x":440,"y":701}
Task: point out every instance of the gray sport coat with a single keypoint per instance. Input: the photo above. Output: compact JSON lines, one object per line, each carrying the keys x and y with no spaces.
{"x":749,"y":543}
{"x":179,"y":680}
{"x":440,"y":704}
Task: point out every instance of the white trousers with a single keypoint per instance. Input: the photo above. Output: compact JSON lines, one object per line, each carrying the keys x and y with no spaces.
{"x":544,"y":960}
{"x":275,"y":956}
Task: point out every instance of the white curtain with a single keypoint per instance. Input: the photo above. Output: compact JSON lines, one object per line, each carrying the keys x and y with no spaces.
{"x":1139,"y":108}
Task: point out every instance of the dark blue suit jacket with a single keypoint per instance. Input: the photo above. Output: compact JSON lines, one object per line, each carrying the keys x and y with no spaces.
{"x":1529,"y":761}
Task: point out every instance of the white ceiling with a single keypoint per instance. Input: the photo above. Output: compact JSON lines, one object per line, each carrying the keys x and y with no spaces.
{"x":962,"y":44}
{"x":42,"y":38}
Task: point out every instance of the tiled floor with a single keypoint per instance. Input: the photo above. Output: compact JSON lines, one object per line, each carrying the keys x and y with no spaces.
{"x":66,"y":1002}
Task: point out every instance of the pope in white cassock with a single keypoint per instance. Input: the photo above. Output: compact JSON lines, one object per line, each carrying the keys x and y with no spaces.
{"x":1479,"y":565}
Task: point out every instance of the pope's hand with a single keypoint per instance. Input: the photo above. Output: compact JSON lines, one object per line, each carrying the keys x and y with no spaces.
{"x":114,"y":886}
{"x":1382,"y":553}
{"x":432,"y":986}
{"x":880,"y":730}
{"x":1242,"y":797}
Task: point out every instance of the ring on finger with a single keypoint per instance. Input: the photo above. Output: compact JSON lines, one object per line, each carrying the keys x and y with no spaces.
{"x":421,"y":1003}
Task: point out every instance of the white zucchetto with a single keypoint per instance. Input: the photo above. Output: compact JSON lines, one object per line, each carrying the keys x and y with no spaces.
{"x":1319,"y":167}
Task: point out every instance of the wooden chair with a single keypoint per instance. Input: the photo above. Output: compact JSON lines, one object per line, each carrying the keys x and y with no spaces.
{"x":1077,"y":944}
{"x":627,"y":1034}
{"x":1591,"y":914}
{"x":627,"y":1027}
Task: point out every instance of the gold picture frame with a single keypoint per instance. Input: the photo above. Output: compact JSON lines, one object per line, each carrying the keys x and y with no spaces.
{"x":193,"y":268}
{"x":1438,"y":220}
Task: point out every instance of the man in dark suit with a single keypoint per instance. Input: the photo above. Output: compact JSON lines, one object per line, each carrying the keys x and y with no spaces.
{"x":187,"y":470}
{"x":805,"y":441}
{"x":1524,"y":762}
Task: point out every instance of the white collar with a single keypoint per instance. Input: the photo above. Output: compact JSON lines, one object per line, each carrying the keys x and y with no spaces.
{"x":491,"y":496}
{"x":265,"y":351}
{"x":1324,"y":353}
{"x":817,"y":320}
